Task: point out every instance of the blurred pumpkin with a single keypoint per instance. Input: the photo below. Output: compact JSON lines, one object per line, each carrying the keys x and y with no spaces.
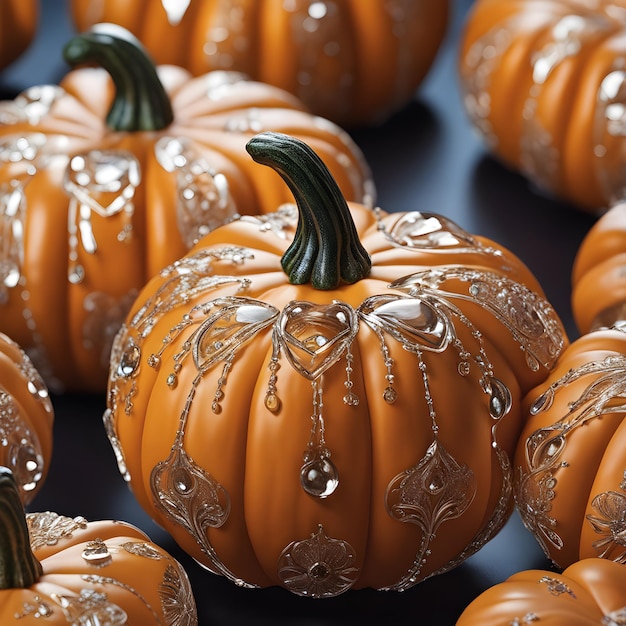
{"x":26,"y":419}
{"x":350,"y":61}
{"x":326,"y":397}
{"x":588,"y":593}
{"x":114,"y":174}
{"x":18,"y":23}
{"x":570,"y":463}
{"x":543,"y":81}
{"x":61,"y":570}
{"x":599,"y":273}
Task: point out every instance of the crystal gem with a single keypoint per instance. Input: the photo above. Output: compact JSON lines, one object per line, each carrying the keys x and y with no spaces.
{"x":319,"y":477}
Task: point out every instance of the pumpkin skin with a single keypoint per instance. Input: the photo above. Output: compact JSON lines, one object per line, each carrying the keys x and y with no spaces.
{"x":26,"y":419}
{"x":98,"y":194}
{"x":353,"y":62}
{"x":542,"y":82}
{"x":291,"y":387}
{"x":588,"y":593}
{"x":598,"y":281}
{"x":69,"y":571}
{"x":570,"y":471}
{"x":18,"y":23}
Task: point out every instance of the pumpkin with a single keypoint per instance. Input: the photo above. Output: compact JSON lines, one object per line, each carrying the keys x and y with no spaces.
{"x":325,"y":398}
{"x":350,"y":61}
{"x":588,"y":593}
{"x":115,"y":173}
{"x":570,"y":471}
{"x":543,"y":83}
{"x":26,"y":419}
{"x":598,"y":285}
{"x":63,"y":570}
{"x":18,"y":24}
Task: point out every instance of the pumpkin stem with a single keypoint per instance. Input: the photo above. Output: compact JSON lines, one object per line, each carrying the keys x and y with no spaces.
{"x":19,"y":568}
{"x":326,"y":249}
{"x":140,"y":102}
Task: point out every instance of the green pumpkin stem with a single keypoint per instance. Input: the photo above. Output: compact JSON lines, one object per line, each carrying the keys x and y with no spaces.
{"x":140,"y":102}
{"x":326,"y":249}
{"x":19,"y":568}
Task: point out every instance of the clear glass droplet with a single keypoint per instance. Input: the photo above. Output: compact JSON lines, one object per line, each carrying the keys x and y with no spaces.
{"x":319,"y":477}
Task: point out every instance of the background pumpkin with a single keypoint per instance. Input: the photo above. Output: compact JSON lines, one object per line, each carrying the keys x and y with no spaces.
{"x":389,"y":366}
{"x":588,"y":593}
{"x":571,"y":475}
{"x":18,"y":23}
{"x":26,"y":419}
{"x":66,"y":570}
{"x":103,"y":184}
{"x":543,"y":82}
{"x":350,"y":61}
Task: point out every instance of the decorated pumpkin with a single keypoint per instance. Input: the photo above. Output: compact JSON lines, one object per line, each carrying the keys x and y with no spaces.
{"x":61,"y":570}
{"x":543,"y":81}
{"x":115,"y":173}
{"x":350,"y":61}
{"x":18,"y":24}
{"x":26,"y":419}
{"x":571,"y":463}
{"x":325,"y":398}
{"x":598,"y":276}
{"x":588,"y":593}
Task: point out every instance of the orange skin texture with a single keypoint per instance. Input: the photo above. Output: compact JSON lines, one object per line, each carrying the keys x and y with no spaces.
{"x":76,"y":123}
{"x":593,"y":454}
{"x":552,"y":105}
{"x":256,"y":454}
{"x":592,"y":589}
{"x":18,"y":23}
{"x":365,"y":66}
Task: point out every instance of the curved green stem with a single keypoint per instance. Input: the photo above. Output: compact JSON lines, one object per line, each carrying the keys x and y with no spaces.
{"x":326,"y":249}
{"x":19,"y":568}
{"x":140,"y":101}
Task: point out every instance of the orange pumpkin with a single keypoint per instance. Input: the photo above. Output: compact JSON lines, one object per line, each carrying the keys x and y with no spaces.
{"x":588,"y":593}
{"x":18,"y":24}
{"x":598,"y":276}
{"x":326,"y":397}
{"x":26,"y":419}
{"x":350,"y":61}
{"x":543,"y":82}
{"x":60,"y":570}
{"x":114,"y":174}
{"x":570,"y":469}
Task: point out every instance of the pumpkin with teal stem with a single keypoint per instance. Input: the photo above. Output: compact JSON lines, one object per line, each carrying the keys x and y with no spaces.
{"x":350,"y":61}
{"x":61,"y":570}
{"x":325,"y":398}
{"x":588,"y":593}
{"x":115,"y":173}
{"x":26,"y":419}
{"x":570,"y":471}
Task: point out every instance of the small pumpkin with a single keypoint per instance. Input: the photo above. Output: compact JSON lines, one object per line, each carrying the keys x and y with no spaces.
{"x":588,"y":593}
{"x":350,"y":61}
{"x":598,"y":279}
{"x":26,"y":419}
{"x":18,"y":24}
{"x":326,"y":397}
{"x":543,"y":83}
{"x":63,"y":570}
{"x":115,"y":173}
{"x":570,"y":469}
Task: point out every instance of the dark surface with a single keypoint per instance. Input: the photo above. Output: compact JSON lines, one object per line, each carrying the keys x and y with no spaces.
{"x":426,"y":158}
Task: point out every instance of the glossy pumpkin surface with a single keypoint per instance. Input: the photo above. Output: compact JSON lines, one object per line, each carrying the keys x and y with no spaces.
{"x":543,"y":81}
{"x":571,"y":475}
{"x":326,"y":397}
{"x":26,"y":419}
{"x":61,"y":570}
{"x":115,"y":173}
{"x":588,"y":593}
{"x":350,"y":61}
{"x":598,"y":276}
{"x":18,"y":23}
